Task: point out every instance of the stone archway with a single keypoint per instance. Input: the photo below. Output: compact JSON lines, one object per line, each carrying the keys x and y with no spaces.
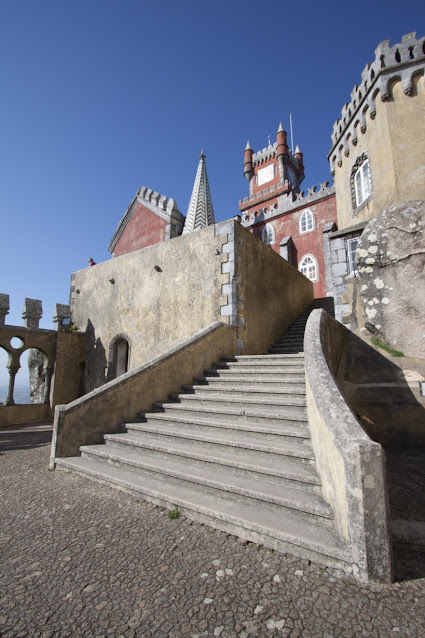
{"x":119,"y":356}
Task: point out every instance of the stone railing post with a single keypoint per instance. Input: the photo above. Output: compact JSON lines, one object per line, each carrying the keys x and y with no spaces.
{"x":4,"y":308}
{"x":32,"y":313}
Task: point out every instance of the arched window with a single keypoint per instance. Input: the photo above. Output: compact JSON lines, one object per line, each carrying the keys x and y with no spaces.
{"x":268,"y":234}
{"x":306,"y":221}
{"x":308,"y":266}
{"x":361,"y":182}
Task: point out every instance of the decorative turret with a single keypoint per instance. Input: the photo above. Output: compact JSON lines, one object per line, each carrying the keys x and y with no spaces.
{"x":281,"y":141}
{"x":299,"y":157}
{"x":248,"y":169}
{"x":200,"y":212}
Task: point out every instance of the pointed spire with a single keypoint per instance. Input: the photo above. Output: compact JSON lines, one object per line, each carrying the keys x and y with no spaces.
{"x":297,"y":150}
{"x":280,"y":127}
{"x":248,"y":146}
{"x":200,"y":212}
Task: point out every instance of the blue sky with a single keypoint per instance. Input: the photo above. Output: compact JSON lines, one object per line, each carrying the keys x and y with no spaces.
{"x":100,"y":97}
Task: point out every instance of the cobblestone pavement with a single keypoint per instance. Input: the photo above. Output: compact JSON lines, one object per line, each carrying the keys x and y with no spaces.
{"x":81,"y":559}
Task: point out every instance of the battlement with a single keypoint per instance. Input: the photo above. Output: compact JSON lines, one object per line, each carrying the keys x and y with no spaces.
{"x":401,"y":62}
{"x":163,"y":206}
{"x":269,"y":152}
{"x":32,"y":312}
{"x":164,"y":203}
{"x":288,"y":203}
{"x":264,"y":155}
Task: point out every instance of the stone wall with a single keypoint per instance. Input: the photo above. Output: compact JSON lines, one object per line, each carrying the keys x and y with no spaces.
{"x":159,"y":296}
{"x":384,"y":120}
{"x":391,"y":266}
{"x":271,"y":293}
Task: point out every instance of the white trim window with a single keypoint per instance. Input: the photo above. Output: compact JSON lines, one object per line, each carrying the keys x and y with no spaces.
{"x":306,"y":221}
{"x":308,"y":266}
{"x":267,"y":234}
{"x":362,"y":183}
{"x":351,"y":248}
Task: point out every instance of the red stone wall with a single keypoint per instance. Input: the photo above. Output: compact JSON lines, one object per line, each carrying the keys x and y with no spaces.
{"x":272,"y":182}
{"x":145,"y":228}
{"x":309,"y":243}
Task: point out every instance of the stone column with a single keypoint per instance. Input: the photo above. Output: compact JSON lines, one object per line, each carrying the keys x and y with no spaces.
{"x":4,"y":308}
{"x":32,"y":313}
{"x":12,"y":374}
{"x":62,"y":316}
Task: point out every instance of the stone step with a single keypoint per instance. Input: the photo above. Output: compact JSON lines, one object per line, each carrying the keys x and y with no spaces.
{"x":226,"y":400}
{"x":284,"y":533}
{"x":265,"y":435}
{"x":277,"y":349}
{"x":264,"y":359}
{"x":280,"y":383}
{"x":295,"y":374}
{"x":295,"y":430}
{"x":248,"y":443}
{"x":265,"y":389}
{"x":243,"y":391}
{"x":274,"y":362}
{"x":276,"y":469}
{"x":251,"y":415}
{"x":255,"y":377}
{"x":214,"y":480}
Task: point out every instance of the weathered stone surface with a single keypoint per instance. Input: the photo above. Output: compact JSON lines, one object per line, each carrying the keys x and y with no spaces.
{"x":391,"y":265}
{"x":36,"y":367}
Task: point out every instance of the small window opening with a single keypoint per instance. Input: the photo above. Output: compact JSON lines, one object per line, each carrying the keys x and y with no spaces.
{"x":351,"y":248}
{"x":268,"y":234}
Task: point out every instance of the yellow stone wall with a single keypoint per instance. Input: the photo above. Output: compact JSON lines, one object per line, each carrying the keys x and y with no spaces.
{"x":394,"y":143}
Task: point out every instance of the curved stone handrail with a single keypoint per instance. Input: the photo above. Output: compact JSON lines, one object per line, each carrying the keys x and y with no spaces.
{"x":350,"y":464}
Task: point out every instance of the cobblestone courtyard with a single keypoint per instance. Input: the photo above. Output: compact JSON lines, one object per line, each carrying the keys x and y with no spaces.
{"x":80,"y":559}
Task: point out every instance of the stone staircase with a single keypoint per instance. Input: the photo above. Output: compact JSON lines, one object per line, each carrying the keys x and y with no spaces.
{"x":233,"y":451}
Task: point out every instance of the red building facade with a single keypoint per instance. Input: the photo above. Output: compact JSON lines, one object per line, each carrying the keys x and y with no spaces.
{"x":289,"y":221}
{"x":151,"y":218}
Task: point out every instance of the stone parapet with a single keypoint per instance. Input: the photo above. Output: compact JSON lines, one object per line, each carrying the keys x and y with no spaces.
{"x":351,"y":466}
{"x":400,"y":62}
{"x":288,"y":203}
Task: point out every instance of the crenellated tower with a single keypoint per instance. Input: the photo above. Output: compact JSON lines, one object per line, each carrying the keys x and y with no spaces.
{"x":271,"y":172}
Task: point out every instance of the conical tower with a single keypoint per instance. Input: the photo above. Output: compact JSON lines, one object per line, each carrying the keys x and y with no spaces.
{"x":200,"y":212}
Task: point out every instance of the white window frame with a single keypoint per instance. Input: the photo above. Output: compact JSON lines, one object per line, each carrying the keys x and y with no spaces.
{"x":311,"y":268}
{"x":267,"y":234}
{"x":307,"y":220}
{"x":362,"y":183}
{"x":351,"y":255}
